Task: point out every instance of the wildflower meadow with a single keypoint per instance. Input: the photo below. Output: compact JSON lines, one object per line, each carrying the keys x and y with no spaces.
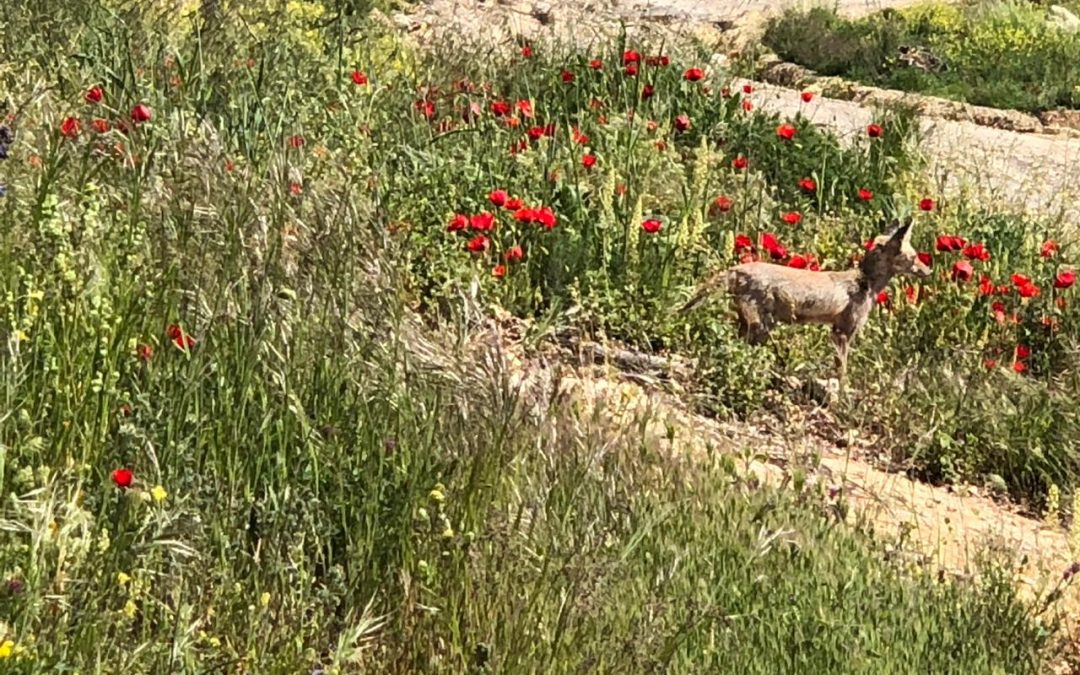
{"x":245,"y":428}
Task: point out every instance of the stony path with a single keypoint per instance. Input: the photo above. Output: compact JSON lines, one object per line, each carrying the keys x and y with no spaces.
{"x":1040,"y":173}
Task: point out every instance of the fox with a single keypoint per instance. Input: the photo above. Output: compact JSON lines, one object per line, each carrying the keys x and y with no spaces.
{"x":765,"y":294}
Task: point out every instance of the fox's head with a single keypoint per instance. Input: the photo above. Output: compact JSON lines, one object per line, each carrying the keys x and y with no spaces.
{"x":893,"y":254}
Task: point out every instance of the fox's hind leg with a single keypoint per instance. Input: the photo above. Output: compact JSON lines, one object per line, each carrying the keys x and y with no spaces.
{"x":841,"y":342}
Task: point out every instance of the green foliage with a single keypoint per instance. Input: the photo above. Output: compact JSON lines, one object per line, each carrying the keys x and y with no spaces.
{"x":220,"y":298}
{"x":996,"y":53}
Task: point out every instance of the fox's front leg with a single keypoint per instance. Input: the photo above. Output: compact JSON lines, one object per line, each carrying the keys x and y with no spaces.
{"x":752,"y":327}
{"x":841,"y":341}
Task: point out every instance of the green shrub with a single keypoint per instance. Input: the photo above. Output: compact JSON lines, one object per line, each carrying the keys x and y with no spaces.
{"x":216,"y":292}
{"x":994,"y":53}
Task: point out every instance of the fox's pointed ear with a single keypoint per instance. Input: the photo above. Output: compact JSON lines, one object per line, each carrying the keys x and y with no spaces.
{"x":901,"y":234}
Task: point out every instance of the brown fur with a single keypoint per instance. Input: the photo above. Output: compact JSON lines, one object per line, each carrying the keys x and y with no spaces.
{"x":766,"y":294}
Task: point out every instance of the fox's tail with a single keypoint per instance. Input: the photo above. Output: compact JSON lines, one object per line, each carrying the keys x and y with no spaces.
{"x":708,"y":288}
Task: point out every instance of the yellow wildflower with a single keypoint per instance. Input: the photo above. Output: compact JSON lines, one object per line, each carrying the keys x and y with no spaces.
{"x":130,"y":608}
{"x":264,"y":599}
{"x":122,"y":578}
{"x":158,"y":493}
{"x":438,"y":493}
{"x":6,"y":649}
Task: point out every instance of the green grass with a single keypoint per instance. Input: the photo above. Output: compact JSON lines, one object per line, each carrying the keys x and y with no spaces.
{"x":324,"y":478}
{"x":996,"y":53}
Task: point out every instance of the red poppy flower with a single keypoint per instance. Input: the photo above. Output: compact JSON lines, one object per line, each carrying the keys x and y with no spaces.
{"x":748,"y":89}
{"x":525,"y":107}
{"x":1049,"y":248}
{"x":774,"y":248}
{"x":807,"y":96}
{"x":457,"y":223}
{"x":514,"y":254}
{"x":947,"y":243}
{"x":976,"y":252}
{"x":483,"y":221}
{"x":682,"y":122}
{"x":647,"y":91}
{"x":425,"y":108}
{"x":1019,"y":367}
{"x":546,"y":217}
{"x":100,"y":125}
{"x":70,"y":127}
{"x":1023,"y":351}
{"x":747,"y":105}
{"x":739,"y":162}
{"x":883,"y":298}
{"x":122,"y":478}
{"x":989,"y":364}
{"x":986,"y":285}
{"x":513,"y":204}
{"x":536,"y":133}
{"x":1064,"y":279}
{"x":180,"y":337}
{"x":693,"y":74}
{"x":962,"y":270}
{"x":911,"y":294}
{"x":94,"y":95}
{"x":596,"y":64}
{"x":721,"y":204}
{"x":499,"y":271}
{"x":743,"y":243}
{"x":925,"y":258}
{"x":998,"y":308}
{"x":631,"y":70}
{"x":498,"y":197}
{"x":579,"y":137}
{"x":662,"y":60}
{"x":791,"y":217}
{"x":359,"y":78}
{"x":527,"y":51}
{"x":865,"y":194}
{"x":808,"y":184}
{"x":786,"y":131}
{"x":567,"y":76}
{"x":926,"y":204}
{"x":588,"y":161}
{"x":500,"y":108}
{"x":652,"y":226}
{"x":140,"y":114}
{"x":803,"y":262}
{"x":630,"y":56}
{"x":478,"y":244}
{"x":145,"y":352}
{"x":296,"y":141}
{"x":874,"y":130}
{"x":296,"y":188}
{"x":1024,"y":286}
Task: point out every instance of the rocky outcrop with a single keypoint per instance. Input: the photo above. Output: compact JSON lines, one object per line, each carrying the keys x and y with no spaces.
{"x":773,"y":70}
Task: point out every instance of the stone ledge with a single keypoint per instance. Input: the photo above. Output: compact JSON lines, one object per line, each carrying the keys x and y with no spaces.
{"x":773,"y":70}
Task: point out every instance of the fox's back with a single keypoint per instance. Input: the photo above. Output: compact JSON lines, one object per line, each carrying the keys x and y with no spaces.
{"x":794,"y":294}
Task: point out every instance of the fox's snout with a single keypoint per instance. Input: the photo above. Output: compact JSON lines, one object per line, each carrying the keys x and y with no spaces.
{"x":921,"y":270}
